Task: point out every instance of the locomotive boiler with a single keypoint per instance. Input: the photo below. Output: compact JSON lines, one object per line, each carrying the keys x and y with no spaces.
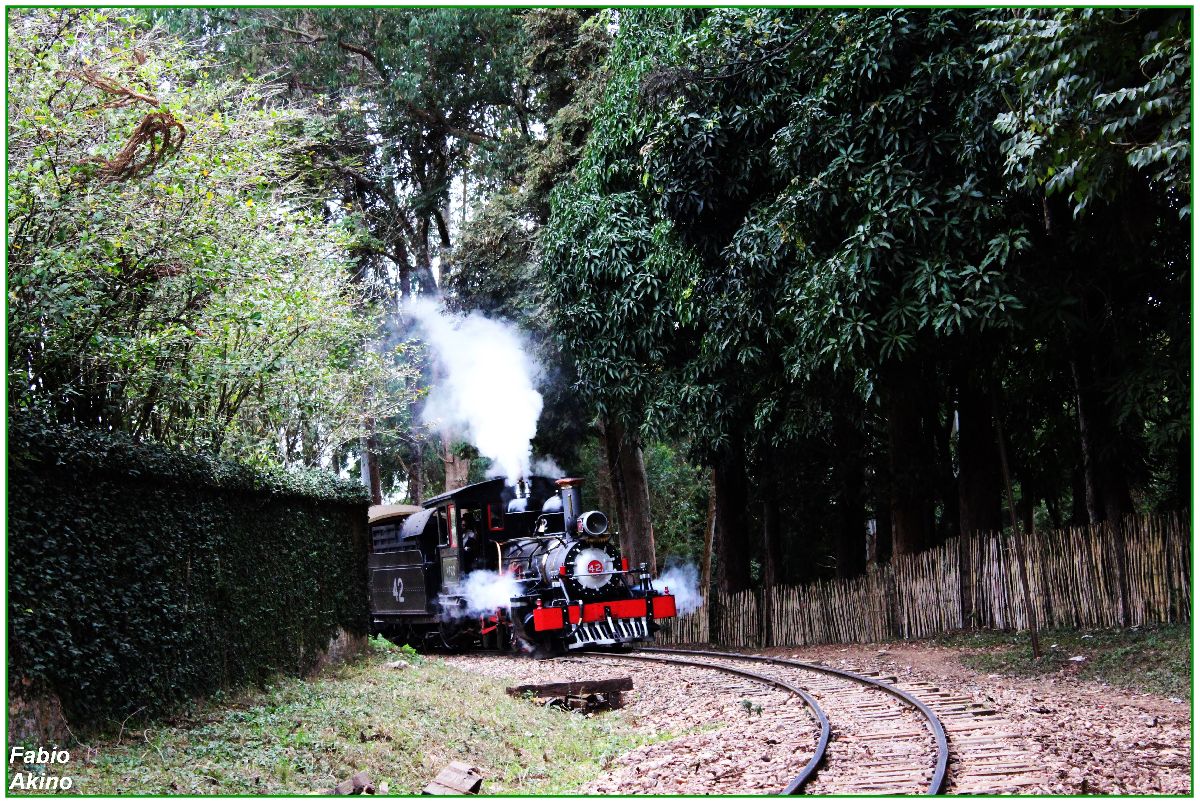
{"x":508,"y":567}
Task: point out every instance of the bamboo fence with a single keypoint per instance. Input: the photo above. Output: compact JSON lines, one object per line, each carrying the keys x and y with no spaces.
{"x":1135,"y":572}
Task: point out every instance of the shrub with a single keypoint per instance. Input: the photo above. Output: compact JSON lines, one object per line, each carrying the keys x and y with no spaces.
{"x":139,"y":577}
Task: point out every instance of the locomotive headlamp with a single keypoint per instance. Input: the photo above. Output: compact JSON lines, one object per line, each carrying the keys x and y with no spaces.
{"x":592,"y":524}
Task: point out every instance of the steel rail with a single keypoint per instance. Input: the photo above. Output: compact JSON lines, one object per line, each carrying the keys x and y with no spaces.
{"x":936,"y":784}
{"x":796,"y":785}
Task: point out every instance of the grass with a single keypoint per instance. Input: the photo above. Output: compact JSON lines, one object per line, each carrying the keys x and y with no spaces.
{"x":401,"y":725}
{"x":1154,"y":659}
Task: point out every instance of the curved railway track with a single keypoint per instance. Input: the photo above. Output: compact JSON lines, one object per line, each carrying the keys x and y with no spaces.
{"x":797,"y":784}
{"x":877,"y":737}
{"x":887,"y":740}
{"x":864,"y":732}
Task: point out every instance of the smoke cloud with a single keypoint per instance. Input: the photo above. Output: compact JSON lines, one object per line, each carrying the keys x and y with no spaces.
{"x":546,"y":467}
{"x":485,"y":591}
{"x":683,"y":581}
{"x":485,"y":385}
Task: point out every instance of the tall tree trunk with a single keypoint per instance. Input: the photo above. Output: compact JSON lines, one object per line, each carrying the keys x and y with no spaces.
{"x":627,"y":473}
{"x":416,"y":476}
{"x":730,"y":528}
{"x":979,"y":481}
{"x":606,"y":497}
{"x":771,"y":560}
{"x":371,"y":456}
{"x":710,"y":526}
{"x":637,"y":507}
{"x":852,"y":516}
{"x":939,"y":431}
{"x":1106,"y":487}
{"x":613,"y":482}
{"x":910,"y":463}
{"x":458,"y":468}
{"x":364,"y":461}
{"x":1079,"y":511}
{"x":881,"y":545}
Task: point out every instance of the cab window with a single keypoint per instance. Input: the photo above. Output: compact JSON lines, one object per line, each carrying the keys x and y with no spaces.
{"x":443,"y":530}
{"x":495,"y":518}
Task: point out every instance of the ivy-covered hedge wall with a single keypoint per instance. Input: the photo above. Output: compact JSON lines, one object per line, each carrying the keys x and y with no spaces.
{"x":139,"y":577}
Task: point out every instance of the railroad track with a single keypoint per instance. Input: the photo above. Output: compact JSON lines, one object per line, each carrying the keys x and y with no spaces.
{"x":887,"y":740}
{"x":800,"y":780}
{"x":879,"y":737}
{"x":869,"y":734}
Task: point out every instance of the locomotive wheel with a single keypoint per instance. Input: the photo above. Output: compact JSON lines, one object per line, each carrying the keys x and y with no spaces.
{"x":456,"y":635}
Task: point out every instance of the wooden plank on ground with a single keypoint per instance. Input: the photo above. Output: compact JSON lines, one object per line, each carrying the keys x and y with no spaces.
{"x":572,"y":688}
{"x":456,"y":779}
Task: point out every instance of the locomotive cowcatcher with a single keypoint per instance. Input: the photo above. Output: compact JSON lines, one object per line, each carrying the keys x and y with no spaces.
{"x":562,"y":582}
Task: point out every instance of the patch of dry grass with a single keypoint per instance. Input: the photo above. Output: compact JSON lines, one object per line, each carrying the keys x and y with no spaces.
{"x":401,"y":725}
{"x":1153,"y":658}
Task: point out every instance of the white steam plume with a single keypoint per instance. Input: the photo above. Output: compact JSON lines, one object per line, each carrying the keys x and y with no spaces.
{"x":484,"y":387}
{"x":683,"y":581}
{"x":546,"y":467}
{"x":485,"y":591}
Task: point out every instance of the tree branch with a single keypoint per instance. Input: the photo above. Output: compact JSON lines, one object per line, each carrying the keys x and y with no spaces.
{"x":439,"y":121}
{"x":369,"y":56}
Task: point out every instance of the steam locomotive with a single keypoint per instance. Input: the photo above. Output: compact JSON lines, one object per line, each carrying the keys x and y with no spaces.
{"x":508,"y":567}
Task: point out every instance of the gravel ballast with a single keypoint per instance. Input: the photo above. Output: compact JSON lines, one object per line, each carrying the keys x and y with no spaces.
{"x":1083,"y":737}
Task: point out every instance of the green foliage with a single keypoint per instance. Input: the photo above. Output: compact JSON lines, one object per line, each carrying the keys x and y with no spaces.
{"x":840,"y":184}
{"x":411,"y":99}
{"x":611,"y":275}
{"x":1097,"y":91}
{"x":814,"y":242}
{"x":141,"y":577}
{"x":200,"y":301}
{"x":381,"y":644}
{"x":678,"y":503}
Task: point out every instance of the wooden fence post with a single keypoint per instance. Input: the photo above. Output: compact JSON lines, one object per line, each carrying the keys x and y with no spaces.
{"x":1018,"y":540}
{"x":1119,"y":534}
{"x":966,"y":580}
{"x":1073,"y":570}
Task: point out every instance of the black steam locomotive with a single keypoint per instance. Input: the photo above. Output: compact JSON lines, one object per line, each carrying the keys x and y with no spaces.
{"x":508,"y":567}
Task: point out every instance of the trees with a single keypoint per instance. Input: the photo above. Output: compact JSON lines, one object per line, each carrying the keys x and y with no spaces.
{"x":1099,"y":133}
{"x":439,"y":131}
{"x":1096,"y":93}
{"x":411,"y":100}
{"x":165,"y":275}
{"x":823,"y":234}
{"x":827,"y":250}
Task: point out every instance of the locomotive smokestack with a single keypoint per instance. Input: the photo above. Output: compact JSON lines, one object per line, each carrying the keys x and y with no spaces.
{"x":572,"y":502}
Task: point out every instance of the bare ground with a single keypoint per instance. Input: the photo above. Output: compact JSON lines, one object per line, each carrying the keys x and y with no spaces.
{"x":711,"y":733}
{"x":1089,"y":737}
{"x":1084,"y":737}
